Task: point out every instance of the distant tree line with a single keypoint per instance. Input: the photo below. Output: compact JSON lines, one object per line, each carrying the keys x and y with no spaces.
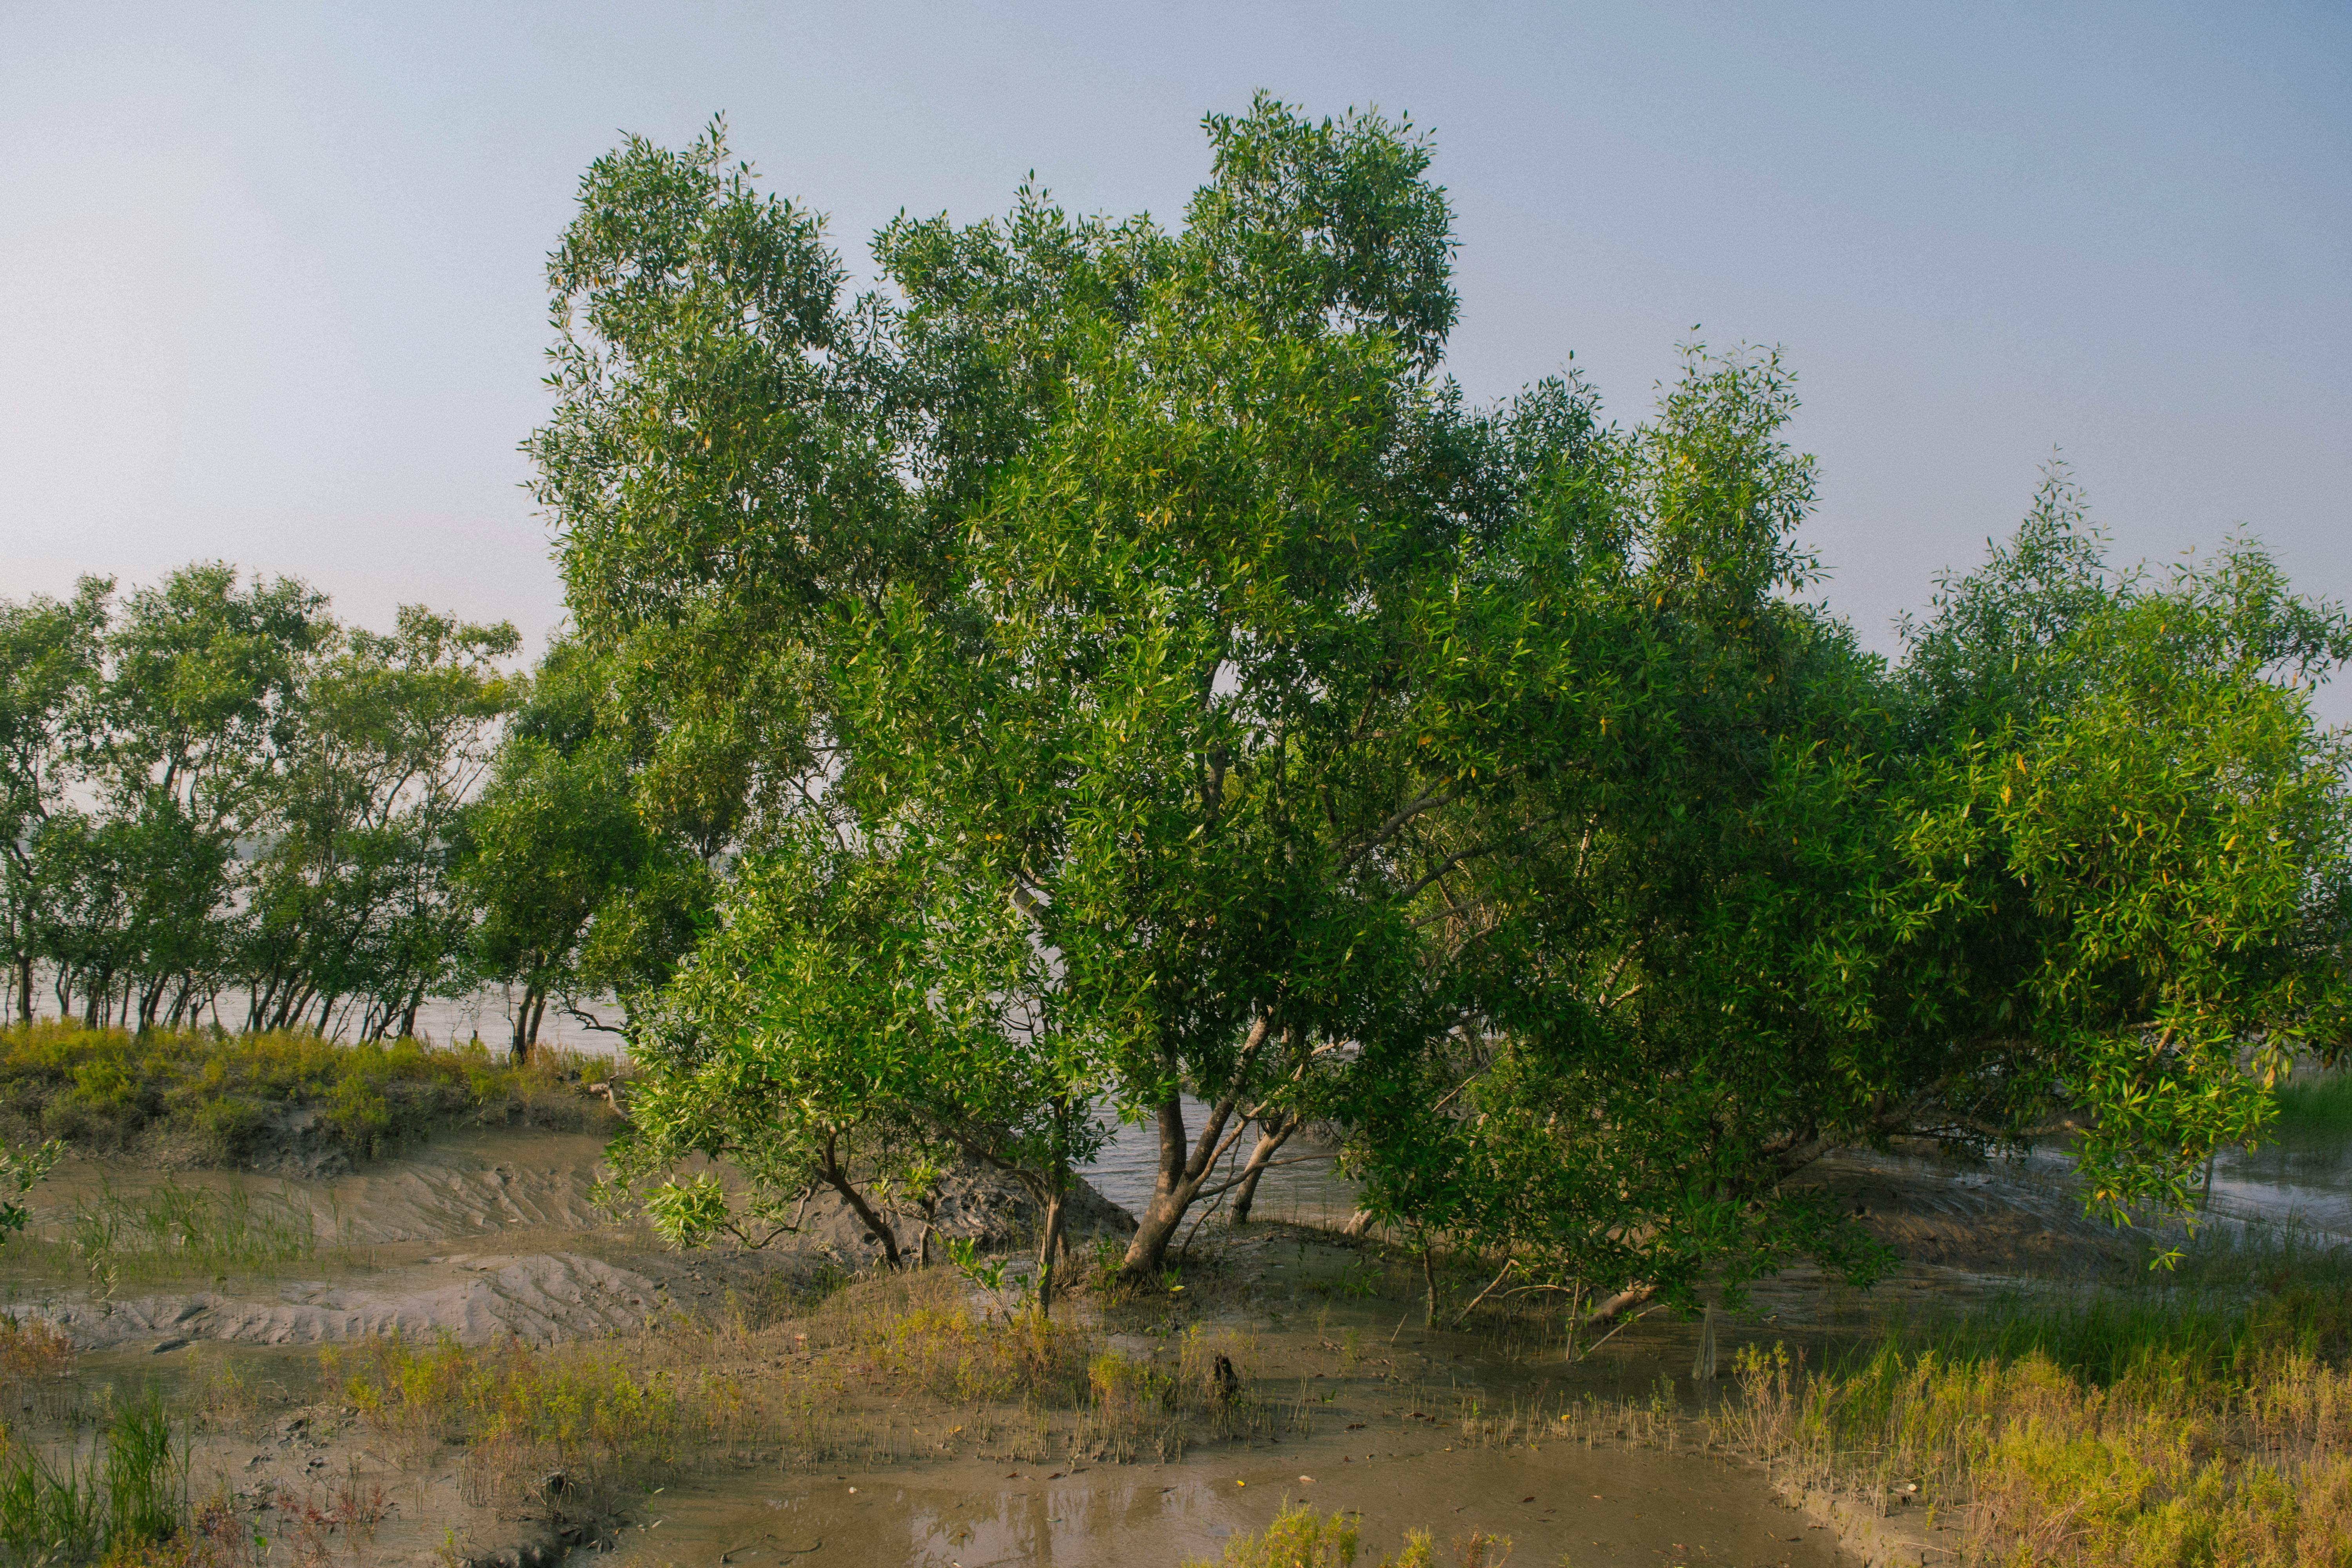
{"x":218,"y":801}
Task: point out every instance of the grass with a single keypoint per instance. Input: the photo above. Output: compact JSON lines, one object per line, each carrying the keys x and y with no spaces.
{"x":169,"y":1232}
{"x":1301,"y":1538}
{"x":36,"y":1357}
{"x":220,"y":1099}
{"x":128,"y":1492}
{"x":2173,"y":1427}
{"x":876,"y":1373}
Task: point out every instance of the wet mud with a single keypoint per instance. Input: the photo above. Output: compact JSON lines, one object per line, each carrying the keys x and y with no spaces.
{"x":491,"y":1237}
{"x":1592,"y":1506}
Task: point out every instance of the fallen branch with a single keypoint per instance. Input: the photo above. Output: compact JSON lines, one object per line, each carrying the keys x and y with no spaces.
{"x":1462,"y":1315}
{"x":1611,"y":1335}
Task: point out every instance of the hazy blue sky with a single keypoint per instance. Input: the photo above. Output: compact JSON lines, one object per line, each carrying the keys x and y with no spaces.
{"x":270,"y":277}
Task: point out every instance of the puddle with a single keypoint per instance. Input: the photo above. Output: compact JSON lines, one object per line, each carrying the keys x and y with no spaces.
{"x":1588,"y":1506}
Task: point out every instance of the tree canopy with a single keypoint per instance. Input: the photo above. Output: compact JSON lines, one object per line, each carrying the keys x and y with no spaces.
{"x":219,"y":802}
{"x":1108,"y":663}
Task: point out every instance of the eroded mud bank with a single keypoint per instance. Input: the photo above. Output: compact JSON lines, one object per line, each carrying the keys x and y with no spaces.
{"x":491,"y":1237}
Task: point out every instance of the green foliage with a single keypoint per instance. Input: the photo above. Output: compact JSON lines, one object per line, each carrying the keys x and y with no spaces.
{"x":572,"y":888}
{"x":1123,"y":667}
{"x":2123,"y":884}
{"x":219,"y":1094}
{"x":1302,"y":1537}
{"x":688,"y":1213}
{"x":212,"y":785}
{"x":76,"y":1508}
{"x":21,"y":1171}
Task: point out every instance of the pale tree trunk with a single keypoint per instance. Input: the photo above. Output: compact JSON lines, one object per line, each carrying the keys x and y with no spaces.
{"x":1049,"y":1251}
{"x":1703,"y":1363}
{"x":1270,"y":1139}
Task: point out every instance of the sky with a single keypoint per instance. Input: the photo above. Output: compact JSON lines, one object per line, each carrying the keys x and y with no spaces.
{"x":271,"y":278}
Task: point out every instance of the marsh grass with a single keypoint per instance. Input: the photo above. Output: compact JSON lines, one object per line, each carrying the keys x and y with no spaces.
{"x":171,"y":1231}
{"x":2168,"y":1428}
{"x":220,"y":1099}
{"x":74,"y":1505}
{"x":1299,"y":1537}
{"x":882,"y":1371}
{"x":36,"y":1360}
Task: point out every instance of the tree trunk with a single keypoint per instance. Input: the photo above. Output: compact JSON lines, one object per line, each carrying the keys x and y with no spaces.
{"x":25,"y":988}
{"x":930,"y":1225}
{"x":1185,"y":1165}
{"x":1155,"y":1227}
{"x":1050,"y":1250}
{"x":526,"y":1029}
{"x":1703,"y":1363}
{"x":836,"y":1175}
{"x":1269,"y":1142}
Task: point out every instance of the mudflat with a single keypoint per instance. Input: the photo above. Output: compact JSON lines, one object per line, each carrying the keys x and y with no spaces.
{"x":818,"y":1412}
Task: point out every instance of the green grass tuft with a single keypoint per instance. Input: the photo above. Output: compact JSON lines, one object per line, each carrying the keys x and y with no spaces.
{"x":2187,"y":1429}
{"x":75,"y":1507}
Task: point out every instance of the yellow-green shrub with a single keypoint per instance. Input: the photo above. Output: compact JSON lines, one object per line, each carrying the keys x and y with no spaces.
{"x":105,"y":1088}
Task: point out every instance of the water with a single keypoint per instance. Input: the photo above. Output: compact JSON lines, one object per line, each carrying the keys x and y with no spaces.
{"x":487,"y":1013}
{"x":1313,"y":1190}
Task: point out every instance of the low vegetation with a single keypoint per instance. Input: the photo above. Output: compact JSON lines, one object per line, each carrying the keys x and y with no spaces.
{"x":1301,"y":1538}
{"x":2315,"y":1109}
{"x":2178,"y":1427}
{"x":170,"y":1232}
{"x":204,"y":1097}
{"x":876,"y":1373}
{"x":125,"y":1492}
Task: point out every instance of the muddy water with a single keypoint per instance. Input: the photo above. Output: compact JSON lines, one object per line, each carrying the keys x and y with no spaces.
{"x":1568,"y":1503}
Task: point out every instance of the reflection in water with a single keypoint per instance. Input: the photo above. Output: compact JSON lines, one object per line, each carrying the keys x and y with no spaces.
{"x":2308,"y":1188}
{"x":1595,"y":1505}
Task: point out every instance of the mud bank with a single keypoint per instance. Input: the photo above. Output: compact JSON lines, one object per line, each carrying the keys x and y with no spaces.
{"x":1345,"y":1398}
{"x":480,"y":1235}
